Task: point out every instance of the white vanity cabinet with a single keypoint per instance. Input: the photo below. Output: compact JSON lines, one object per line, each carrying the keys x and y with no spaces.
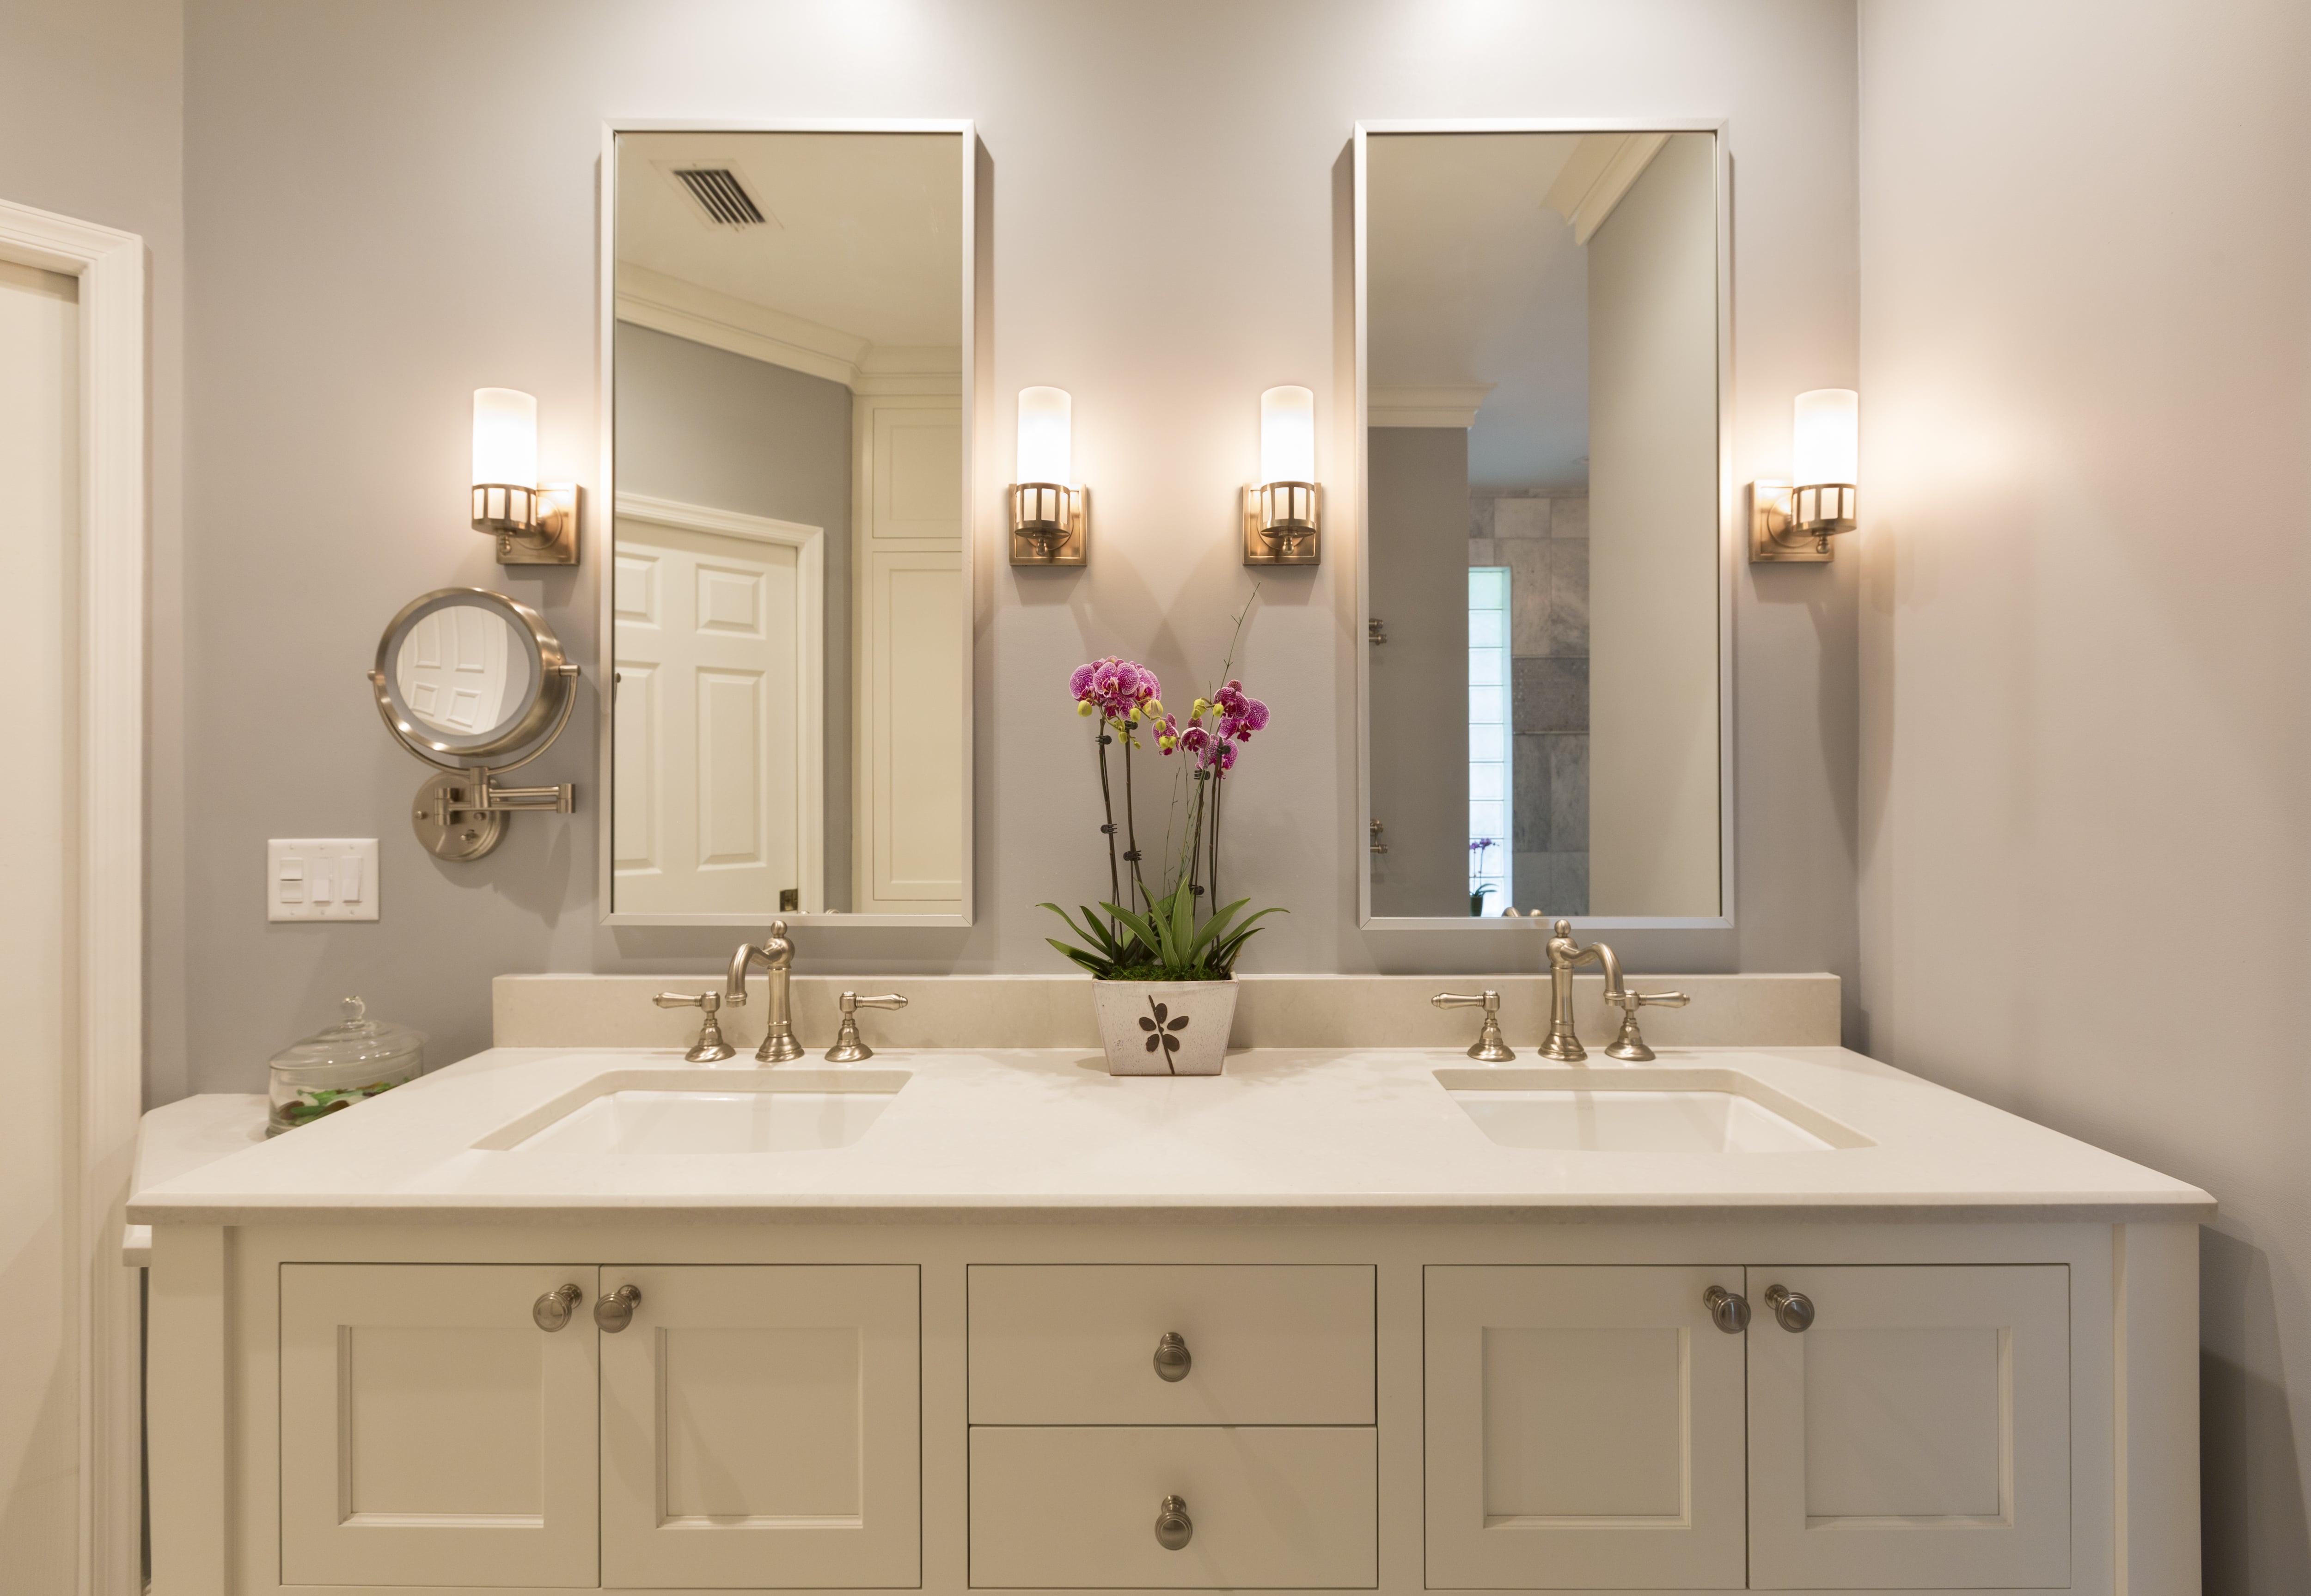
{"x":430,"y":1432}
{"x":749,"y":1427}
{"x":1596,"y":1427}
{"x":761,"y":1428}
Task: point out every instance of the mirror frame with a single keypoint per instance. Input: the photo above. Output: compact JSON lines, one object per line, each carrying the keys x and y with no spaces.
{"x":607,"y":501}
{"x":1729,"y":528}
{"x":548,"y":685}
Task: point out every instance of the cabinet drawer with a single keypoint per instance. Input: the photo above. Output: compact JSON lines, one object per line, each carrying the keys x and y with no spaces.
{"x":1269,"y":1508}
{"x":1282,"y":1344}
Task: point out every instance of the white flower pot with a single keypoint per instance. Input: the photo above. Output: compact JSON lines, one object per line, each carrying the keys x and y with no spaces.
{"x":1165,"y":1027}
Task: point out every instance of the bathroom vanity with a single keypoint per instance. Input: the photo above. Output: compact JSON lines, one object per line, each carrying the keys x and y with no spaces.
{"x":1772,"y":1317}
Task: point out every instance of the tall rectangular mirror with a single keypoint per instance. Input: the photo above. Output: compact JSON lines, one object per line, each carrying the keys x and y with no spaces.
{"x":1542,"y":341}
{"x":786,"y":602}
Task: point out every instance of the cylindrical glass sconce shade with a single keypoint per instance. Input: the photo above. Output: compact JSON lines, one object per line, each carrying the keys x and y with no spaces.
{"x":1825,"y":446}
{"x":1045,"y":444}
{"x":1287,"y":435}
{"x":505,"y":437}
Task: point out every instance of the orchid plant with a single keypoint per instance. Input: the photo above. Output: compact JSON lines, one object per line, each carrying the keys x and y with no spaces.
{"x":1158,"y":933}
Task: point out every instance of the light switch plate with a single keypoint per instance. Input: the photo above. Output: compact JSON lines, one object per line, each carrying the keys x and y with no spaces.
{"x":320,"y":878}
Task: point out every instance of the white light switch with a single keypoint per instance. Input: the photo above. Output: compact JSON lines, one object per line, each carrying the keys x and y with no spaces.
{"x":320,"y":878}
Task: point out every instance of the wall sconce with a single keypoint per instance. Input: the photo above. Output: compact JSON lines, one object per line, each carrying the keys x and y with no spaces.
{"x":533,"y":525}
{"x":1050,"y":517}
{"x":1792,"y":522}
{"x":1282,"y":516}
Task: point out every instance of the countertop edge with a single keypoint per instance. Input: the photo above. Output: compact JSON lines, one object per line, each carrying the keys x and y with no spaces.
{"x":2133,"y":1209}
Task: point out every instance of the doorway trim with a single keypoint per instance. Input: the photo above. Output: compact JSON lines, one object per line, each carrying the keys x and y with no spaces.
{"x":109,"y":876}
{"x":809,"y":543}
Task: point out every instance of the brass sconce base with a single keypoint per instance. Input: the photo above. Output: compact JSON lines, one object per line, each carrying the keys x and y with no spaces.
{"x":1283,"y":524}
{"x":1051,"y":523}
{"x":533,"y":526}
{"x":1777,"y":539}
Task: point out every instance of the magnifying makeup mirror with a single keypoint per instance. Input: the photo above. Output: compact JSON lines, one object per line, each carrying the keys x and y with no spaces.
{"x":466,"y":680}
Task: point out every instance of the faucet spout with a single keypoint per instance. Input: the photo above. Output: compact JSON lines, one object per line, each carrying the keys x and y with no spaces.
{"x":775,"y":955}
{"x":1564,"y":955}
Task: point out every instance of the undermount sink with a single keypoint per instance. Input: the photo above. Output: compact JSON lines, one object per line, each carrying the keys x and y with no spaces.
{"x":1649,"y":1110}
{"x":705,"y":1111}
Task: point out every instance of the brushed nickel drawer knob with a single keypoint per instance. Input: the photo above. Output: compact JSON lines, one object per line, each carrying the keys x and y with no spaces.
{"x":1793,"y":1310}
{"x":1173,"y":1528}
{"x":1172,"y":1362}
{"x":1729,"y":1310}
{"x":552,"y":1312}
{"x":613,"y":1312}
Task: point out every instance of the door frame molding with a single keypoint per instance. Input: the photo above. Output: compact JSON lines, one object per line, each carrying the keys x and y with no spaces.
{"x":109,"y":872}
{"x":809,"y":543}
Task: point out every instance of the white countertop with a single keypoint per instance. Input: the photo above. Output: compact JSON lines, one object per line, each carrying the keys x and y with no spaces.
{"x":1043,"y":1134}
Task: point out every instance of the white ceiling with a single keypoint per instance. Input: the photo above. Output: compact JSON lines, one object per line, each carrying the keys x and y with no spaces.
{"x":1473,"y":281}
{"x":865,"y":235}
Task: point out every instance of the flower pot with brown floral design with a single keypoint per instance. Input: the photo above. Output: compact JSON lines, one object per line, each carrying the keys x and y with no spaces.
{"x":1165,"y":1027}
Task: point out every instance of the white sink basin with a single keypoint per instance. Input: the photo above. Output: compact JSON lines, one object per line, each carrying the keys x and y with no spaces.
{"x":705,"y":1111}
{"x":1650,"y":1111}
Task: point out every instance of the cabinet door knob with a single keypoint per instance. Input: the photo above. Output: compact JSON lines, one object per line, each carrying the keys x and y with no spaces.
{"x":552,"y":1312}
{"x":1729,"y":1310}
{"x":615,"y":1310}
{"x":1173,"y":1528}
{"x":1793,"y":1310}
{"x":1172,"y":1359}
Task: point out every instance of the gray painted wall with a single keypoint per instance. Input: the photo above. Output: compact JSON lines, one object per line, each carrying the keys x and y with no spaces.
{"x":1417,"y":486}
{"x":377,"y":226}
{"x":2087,"y":629}
{"x":704,"y":426}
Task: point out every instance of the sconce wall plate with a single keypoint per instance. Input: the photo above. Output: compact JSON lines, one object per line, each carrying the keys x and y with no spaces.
{"x":1051,"y":523}
{"x":1283,"y":524}
{"x":1775,"y":538}
{"x":533,"y":526}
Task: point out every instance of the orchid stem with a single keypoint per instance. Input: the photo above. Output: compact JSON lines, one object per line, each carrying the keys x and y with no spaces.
{"x":1107,"y":804}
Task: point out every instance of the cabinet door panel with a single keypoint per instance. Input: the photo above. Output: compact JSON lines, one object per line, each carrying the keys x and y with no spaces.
{"x":1271,"y":1509}
{"x":1917,"y":1435}
{"x":761,"y":1428}
{"x":1584,"y":1430}
{"x":1284,"y":1344}
{"x":430,"y":1432}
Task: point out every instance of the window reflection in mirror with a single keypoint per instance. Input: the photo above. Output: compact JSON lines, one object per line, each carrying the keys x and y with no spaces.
{"x":1544,"y":503}
{"x":789,"y":571}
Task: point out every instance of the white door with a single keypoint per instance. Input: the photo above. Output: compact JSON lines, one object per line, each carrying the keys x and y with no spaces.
{"x":39,"y":521}
{"x":1584,"y":1430}
{"x":1917,"y":1435}
{"x":718,"y":779}
{"x":453,"y":670}
{"x":910,"y":673}
{"x":432,"y":1434}
{"x":761,"y":1428}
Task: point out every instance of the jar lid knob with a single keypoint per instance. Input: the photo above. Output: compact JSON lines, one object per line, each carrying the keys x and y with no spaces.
{"x":354,"y":1009}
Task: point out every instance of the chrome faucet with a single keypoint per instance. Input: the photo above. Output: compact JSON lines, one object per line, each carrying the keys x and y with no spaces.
{"x":1563,"y":1045}
{"x":776,"y":956}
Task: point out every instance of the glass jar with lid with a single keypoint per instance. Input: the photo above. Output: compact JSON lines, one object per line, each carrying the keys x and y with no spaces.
{"x":355,"y":1059}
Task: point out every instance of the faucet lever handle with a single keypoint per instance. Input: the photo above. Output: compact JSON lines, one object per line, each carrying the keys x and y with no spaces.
{"x":710,"y":1048}
{"x":1490,"y":1046}
{"x":849,"y":1047}
{"x":1633,"y":1001}
{"x":1630,"y":1044}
